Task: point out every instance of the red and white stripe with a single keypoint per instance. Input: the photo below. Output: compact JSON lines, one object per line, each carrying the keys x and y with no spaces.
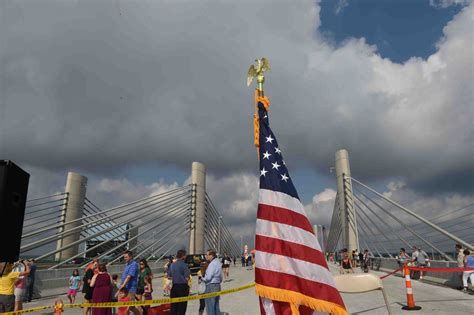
{"x":288,"y":255}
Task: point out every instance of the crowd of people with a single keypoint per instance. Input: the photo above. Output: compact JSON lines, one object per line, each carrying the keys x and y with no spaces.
{"x":419,"y":258}
{"x":348,"y":262}
{"x":99,"y":286}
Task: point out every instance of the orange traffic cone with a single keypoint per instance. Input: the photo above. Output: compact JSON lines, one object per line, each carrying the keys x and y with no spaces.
{"x":58,"y":307}
{"x":410,"y":300}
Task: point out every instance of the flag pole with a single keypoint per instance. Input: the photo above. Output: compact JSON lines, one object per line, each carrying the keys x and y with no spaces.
{"x":258,"y":71}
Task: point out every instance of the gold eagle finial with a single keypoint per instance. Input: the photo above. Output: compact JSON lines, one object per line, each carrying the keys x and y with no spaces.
{"x":257,"y":71}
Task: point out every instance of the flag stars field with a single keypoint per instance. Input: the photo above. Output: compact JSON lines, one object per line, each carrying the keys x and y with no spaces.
{"x":266,"y":155}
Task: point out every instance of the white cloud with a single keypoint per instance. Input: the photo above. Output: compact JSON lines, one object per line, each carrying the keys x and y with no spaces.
{"x":340,"y":6}
{"x":447,"y":3}
{"x":154,"y":84}
{"x":393,"y":186}
{"x":125,"y":191}
{"x":327,"y":195}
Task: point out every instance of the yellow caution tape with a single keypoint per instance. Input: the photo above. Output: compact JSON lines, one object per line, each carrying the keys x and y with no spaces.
{"x":35,"y":309}
{"x":141,"y":303}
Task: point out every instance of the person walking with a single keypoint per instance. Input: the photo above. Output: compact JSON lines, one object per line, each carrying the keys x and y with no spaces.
{"x":179,"y":274}
{"x":7,"y":285}
{"x":403,"y":258}
{"x":213,"y":280}
{"x":114,"y":292}
{"x":143,"y":272}
{"x":20,"y":285}
{"x":468,"y":263}
{"x":129,"y":278}
{"x":420,"y":259}
{"x":460,"y":261}
{"x":361,"y":260}
{"x":102,"y":284}
{"x":225,"y":266}
{"x":366,"y":260}
{"x":30,"y":283}
{"x":147,"y":293}
{"x":200,"y":275}
{"x":86,"y":287}
{"x":122,"y":296}
{"x":74,"y":285}
{"x":346,"y":264}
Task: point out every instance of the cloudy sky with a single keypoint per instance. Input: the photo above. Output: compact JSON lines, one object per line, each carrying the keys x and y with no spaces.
{"x":129,"y":93}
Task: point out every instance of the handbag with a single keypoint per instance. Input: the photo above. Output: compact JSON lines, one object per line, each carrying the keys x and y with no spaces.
{"x":202,"y":287}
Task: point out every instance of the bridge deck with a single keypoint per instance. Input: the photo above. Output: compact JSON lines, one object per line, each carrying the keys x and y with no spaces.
{"x":433,"y":299}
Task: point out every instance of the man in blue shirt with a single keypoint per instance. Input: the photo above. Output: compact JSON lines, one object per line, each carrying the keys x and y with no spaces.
{"x":179,"y":274}
{"x":129,"y":278}
{"x":213,"y":279}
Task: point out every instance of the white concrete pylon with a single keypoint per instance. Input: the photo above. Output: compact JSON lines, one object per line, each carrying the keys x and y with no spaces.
{"x":346,"y":202}
{"x":76,"y":186}
{"x":198,"y":180}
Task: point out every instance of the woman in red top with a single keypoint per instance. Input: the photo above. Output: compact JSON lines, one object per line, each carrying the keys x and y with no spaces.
{"x":123,"y":297}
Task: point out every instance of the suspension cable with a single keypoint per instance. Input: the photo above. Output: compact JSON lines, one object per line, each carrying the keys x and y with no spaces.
{"x":89,"y":237}
{"x":434,"y":226}
{"x":103,"y":243}
{"x":146,"y":200}
{"x":73,"y":230}
{"x":405,"y":226}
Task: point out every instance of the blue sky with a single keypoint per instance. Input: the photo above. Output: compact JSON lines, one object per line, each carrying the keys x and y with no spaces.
{"x":400,"y":29}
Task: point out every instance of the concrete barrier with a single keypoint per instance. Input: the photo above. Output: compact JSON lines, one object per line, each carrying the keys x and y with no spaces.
{"x":450,"y":279}
{"x":59,"y":278}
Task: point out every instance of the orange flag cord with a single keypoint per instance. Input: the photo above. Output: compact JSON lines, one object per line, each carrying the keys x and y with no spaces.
{"x":256,"y":125}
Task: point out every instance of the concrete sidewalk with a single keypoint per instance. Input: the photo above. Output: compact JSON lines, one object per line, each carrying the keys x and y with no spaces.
{"x":433,"y":299}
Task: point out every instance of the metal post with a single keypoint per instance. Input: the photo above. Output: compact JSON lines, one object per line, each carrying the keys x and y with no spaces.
{"x":219,"y":235}
{"x":346,"y":201}
{"x":198,"y":179}
{"x":76,"y":186}
{"x":241,"y":244}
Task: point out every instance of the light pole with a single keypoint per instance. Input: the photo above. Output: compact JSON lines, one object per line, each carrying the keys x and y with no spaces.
{"x":241,"y":244}
{"x":219,"y":235}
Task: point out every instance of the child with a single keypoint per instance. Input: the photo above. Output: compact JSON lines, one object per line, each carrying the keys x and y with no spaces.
{"x":147,"y":293}
{"x":123,"y":297}
{"x":166,"y":285}
{"x":74,"y":285}
{"x":202,"y":286}
{"x":114,"y":291}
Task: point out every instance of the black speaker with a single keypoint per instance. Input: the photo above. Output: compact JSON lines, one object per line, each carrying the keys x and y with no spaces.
{"x":13,"y":190}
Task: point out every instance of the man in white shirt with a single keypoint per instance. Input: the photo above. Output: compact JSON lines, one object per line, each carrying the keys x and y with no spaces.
{"x":419,"y":258}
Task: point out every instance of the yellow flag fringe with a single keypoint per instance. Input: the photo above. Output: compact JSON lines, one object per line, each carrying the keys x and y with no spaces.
{"x":295,"y":299}
{"x":256,"y":125}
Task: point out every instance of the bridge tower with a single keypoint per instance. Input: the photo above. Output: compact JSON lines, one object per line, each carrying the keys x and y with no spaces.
{"x":76,"y":186}
{"x":346,"y":209}
{"x":198,"y":209}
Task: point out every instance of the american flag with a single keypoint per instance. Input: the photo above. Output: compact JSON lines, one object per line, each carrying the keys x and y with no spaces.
{"x":291,"y":273}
